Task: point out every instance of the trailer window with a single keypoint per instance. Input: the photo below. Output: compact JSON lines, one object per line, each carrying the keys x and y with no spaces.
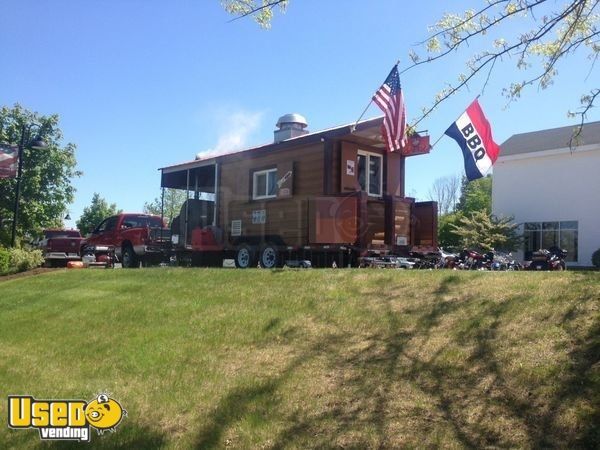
{"x":369,"y":173}
{"x":264,"y":184}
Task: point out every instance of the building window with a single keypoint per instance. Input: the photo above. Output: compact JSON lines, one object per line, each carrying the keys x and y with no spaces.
{"x":552,"y":234}
{"x":264,"y":184}
{"x":369,"y":176}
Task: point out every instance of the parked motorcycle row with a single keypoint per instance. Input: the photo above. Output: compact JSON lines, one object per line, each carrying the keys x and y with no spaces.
{"x":550,"y":259}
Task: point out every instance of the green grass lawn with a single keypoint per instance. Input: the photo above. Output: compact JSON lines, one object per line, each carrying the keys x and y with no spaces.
{"x":214,"y":358}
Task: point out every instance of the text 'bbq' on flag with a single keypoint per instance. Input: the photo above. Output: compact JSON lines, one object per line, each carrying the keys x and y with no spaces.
{"x":473,"y":134}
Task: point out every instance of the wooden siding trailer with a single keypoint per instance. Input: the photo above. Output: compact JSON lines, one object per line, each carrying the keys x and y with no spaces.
{"x":326,"y":196}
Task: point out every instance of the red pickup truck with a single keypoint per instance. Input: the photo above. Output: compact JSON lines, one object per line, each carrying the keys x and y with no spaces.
{"x":60,"y":246}
{"x":135,"y":237}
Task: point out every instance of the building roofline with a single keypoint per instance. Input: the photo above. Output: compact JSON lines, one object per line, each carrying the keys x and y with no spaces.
{"x":550,"y":139}
{"x":310,"y":138}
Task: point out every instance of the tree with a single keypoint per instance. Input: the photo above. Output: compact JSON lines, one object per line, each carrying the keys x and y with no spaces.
{"x":46,"y":187}
{"x":484,"y":232}
{"x":475,"y":196}
{"x":173,"y":200}
{"x":98,"y":210}
{"x":445,"y":192}
{"x":553,"y":34}
{"x":447,"y":237}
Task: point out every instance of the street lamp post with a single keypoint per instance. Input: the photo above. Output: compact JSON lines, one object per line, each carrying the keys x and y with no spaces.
{"x":24,"y":142}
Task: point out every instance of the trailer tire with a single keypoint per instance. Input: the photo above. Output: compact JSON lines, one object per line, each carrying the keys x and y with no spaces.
{"x":244,"y":257}
{"x":129,"y":258}
{"x":269,"y":257}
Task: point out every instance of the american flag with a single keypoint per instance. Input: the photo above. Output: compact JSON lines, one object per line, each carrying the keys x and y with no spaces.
{"x":8,"y":161}
{"x":390,"y":101}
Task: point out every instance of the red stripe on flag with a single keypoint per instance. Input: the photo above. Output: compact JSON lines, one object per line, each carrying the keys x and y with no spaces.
{"x":484,"y":130}
{"x":390,"y":100}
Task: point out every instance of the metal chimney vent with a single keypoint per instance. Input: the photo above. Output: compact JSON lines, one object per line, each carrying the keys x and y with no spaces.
{"x":290,"y":126}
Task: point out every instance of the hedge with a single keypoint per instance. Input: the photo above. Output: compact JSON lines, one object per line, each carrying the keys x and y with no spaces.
{"x":19,"y":260}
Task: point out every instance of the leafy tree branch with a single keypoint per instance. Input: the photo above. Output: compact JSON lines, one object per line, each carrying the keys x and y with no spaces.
{"x":555,"y":33}
{"x":261,"y":10}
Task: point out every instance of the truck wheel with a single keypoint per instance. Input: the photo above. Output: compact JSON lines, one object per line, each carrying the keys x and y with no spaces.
{"x":129,"y":258}
{"x":269,"y":257}
{"x":244,"y":257}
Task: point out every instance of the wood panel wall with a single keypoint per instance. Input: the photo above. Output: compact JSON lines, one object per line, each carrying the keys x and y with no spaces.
{"x":287,"y":217}
{"x":424,"y":224}
{"x":376,"y":222}
{"x":401,"y":218}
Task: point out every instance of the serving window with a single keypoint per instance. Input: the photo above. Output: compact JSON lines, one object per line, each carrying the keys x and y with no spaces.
{"x":264,"y":184}
{"x":369,"y":173}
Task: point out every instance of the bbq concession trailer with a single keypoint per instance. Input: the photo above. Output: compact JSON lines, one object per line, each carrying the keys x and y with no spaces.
{"x":326,"y":196}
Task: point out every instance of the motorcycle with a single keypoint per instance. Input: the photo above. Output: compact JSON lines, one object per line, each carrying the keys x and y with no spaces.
{"x":505,"y":261}
{"x":425,"y":260}
{"x":447,"y":260}
{"x":550,"y":259}
{"x":473,"y":260}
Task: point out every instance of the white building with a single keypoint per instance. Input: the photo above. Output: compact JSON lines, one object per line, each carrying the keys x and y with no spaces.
{"x":552,"y":190}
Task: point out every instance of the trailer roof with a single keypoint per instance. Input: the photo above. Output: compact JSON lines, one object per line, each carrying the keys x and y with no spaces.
{"x":368,"y":129}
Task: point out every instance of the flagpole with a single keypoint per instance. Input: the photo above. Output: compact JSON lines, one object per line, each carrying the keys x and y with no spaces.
{"x":353,"y":128}
{"x":444,"y":133}
{"x":360,"y":117}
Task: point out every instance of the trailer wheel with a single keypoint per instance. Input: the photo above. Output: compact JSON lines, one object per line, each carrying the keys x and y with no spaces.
{"x":269,"y":257}
{"x":129,"y":258}
{"x":244,"y":257}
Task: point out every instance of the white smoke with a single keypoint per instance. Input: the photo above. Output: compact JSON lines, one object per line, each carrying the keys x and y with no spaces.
{"x":235,"y":129}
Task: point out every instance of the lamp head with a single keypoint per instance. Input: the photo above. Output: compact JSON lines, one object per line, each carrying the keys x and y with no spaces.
{"x":38,"y":144}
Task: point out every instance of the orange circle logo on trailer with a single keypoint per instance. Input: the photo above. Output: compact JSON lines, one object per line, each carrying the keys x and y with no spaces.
{"x":70,"y":420}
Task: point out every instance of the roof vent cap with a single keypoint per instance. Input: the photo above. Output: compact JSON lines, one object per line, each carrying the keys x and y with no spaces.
{"x":292,"y":120}
{"x":290,"y":126}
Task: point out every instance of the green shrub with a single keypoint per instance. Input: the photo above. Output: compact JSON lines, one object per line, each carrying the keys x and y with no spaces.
{"x":596,"y":258}
{"x":21,"y":260}
{"x":4,"y":260}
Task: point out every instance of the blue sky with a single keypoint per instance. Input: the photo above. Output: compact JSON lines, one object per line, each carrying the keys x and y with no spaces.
{"x":142,"y":84}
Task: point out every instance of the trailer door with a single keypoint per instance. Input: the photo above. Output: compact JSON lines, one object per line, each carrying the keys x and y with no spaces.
{"x":424,"y":224}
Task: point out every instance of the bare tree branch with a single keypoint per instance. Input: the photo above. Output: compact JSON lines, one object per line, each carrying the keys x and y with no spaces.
{"x":588,"y":102}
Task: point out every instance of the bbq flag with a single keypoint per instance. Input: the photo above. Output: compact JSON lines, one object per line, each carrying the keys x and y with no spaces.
{"x":473,"y":134}
{"x":8,"y":160}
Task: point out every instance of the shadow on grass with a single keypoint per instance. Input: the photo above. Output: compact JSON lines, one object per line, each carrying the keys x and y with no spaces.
{"x":259,"y":399}
{"x":472,"y":401}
